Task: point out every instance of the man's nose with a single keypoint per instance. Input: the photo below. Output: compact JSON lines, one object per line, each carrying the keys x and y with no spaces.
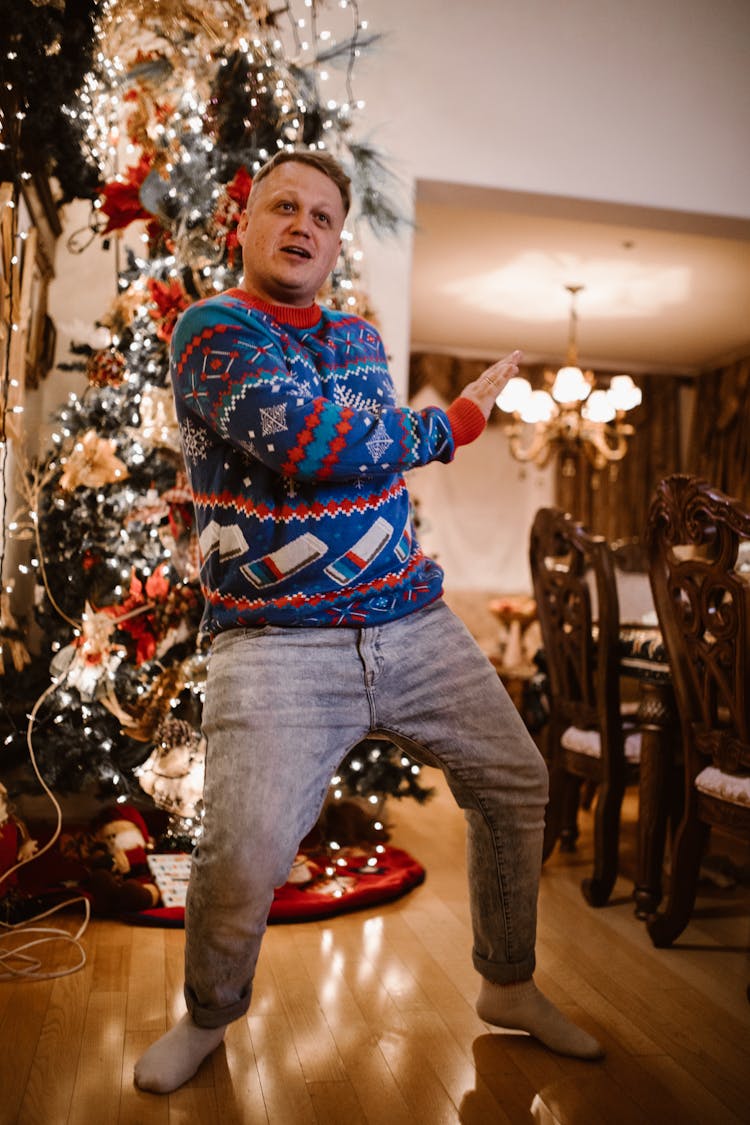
{"x":302,"y":223}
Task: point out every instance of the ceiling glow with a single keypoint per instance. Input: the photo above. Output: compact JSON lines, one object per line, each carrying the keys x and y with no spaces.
{"x":531,"y":287}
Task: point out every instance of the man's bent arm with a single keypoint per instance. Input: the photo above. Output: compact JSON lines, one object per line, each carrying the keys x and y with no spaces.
{"x":243,"y":391}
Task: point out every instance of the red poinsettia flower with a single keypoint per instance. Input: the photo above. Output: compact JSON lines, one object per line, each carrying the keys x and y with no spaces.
{"x":157,"y":586}
{"x":145,"y":648}
{"x":237,"y":190}
{"x":121,"y":198}
{"x":170,"y":299}
{"x":153,"y":612}
{"x":90,"y":559}
{"x":141,"y":626}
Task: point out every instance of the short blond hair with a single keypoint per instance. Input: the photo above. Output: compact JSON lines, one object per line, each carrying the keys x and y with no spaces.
{"x":322,"y":161}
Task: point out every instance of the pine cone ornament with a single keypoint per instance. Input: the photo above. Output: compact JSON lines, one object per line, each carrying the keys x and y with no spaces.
{"x":173,"y":773}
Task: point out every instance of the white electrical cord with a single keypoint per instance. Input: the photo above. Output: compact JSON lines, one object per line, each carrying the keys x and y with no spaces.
{"x":16,"y":962}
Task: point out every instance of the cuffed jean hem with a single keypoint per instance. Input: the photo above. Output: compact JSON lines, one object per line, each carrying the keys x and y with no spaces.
{"x":505,"y":973}
{"x":215,"y":1017}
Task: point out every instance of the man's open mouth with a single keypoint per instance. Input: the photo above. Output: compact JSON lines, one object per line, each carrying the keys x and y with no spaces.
{"x":297,"y":251}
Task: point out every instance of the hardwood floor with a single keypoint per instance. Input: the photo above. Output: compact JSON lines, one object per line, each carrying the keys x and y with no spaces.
{"x":369,"y":1018}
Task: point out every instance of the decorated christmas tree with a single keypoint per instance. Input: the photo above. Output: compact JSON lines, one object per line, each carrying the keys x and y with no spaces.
{"x":188,"y":102}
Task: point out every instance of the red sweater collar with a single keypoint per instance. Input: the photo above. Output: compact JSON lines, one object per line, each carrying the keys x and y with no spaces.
{"x":285,"y":314}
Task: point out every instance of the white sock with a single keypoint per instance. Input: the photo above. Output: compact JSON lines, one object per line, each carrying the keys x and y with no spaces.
{"x":521,"y":1006}
{"x":175,"y":1057}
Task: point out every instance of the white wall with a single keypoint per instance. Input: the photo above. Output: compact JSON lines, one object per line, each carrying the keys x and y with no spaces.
{"x":83,"y":290}
{"x":644,"y":102}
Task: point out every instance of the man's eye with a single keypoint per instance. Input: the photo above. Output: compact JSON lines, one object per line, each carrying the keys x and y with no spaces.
{"x":323,"y":218}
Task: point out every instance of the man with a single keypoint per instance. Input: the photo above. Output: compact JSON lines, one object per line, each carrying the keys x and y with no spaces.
{"x":326,"y":617}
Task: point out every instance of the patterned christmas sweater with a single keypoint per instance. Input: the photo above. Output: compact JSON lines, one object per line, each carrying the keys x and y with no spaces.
{"x":296,"y":449}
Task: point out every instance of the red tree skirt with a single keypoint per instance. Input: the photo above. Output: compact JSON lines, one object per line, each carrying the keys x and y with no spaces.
{"x":355,"y":886}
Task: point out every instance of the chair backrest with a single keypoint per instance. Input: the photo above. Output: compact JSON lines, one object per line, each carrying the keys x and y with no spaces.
{"x":698,"y":540}
{"x":579,"y":632}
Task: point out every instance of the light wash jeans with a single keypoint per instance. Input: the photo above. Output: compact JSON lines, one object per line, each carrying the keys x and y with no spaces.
{"x":283,"y":707}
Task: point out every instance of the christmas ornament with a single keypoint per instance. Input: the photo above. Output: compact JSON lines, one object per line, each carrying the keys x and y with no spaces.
{"x":175,"y":17}
{"x":115,"y":853}
{"x":151,"y":510}
{"x":173,"y":774}
{"x":90,"y":662}
{"x":125,"y":309}
{"x":106,"y":368}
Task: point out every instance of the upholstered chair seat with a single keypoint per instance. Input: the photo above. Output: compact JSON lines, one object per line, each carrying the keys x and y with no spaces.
{"x":590,"y":742}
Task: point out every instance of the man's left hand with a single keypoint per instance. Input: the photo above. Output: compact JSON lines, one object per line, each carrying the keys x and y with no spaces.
{"x":484,"y":390}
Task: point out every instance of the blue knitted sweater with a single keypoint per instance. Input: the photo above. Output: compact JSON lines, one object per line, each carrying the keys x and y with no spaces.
{"x":295,"y":449}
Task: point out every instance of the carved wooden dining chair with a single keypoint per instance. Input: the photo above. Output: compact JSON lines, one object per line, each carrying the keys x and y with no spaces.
{"x":588,"y":739}
{"x":698,"y":541}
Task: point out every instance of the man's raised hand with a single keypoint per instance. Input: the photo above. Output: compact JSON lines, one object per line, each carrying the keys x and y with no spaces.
{"x":484,"y":390}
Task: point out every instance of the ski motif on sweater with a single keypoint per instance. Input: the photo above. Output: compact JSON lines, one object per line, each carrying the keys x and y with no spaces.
{"x":296,"y":449}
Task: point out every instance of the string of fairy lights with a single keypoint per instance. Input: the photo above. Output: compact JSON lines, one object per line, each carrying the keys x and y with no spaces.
{"x":100,"y":103}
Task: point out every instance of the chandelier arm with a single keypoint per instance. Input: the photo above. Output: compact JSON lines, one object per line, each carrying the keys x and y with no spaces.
{"x":539,"y":448}
{"x":610,"y":442}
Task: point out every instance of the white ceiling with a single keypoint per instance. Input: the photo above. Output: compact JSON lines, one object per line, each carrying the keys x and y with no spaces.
{"x":663,"y":291}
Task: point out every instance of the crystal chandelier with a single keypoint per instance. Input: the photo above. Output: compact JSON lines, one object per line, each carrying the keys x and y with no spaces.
{"x":572,"y":415}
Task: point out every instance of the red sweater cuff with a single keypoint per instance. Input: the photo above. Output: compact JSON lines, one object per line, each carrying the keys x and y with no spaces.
{"x":466,"y":419}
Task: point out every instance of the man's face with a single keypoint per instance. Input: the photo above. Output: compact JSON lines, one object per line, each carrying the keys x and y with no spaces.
{"x":290,"y":234}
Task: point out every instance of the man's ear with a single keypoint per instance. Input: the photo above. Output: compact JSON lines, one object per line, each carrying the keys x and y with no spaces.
{"x":242,"y":227}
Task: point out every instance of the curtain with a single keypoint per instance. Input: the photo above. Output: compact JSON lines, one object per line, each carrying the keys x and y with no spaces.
{"x":720,"y":434}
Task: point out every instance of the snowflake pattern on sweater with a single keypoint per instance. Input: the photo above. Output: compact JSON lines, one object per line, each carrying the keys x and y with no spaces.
{"x":295,"y":449}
